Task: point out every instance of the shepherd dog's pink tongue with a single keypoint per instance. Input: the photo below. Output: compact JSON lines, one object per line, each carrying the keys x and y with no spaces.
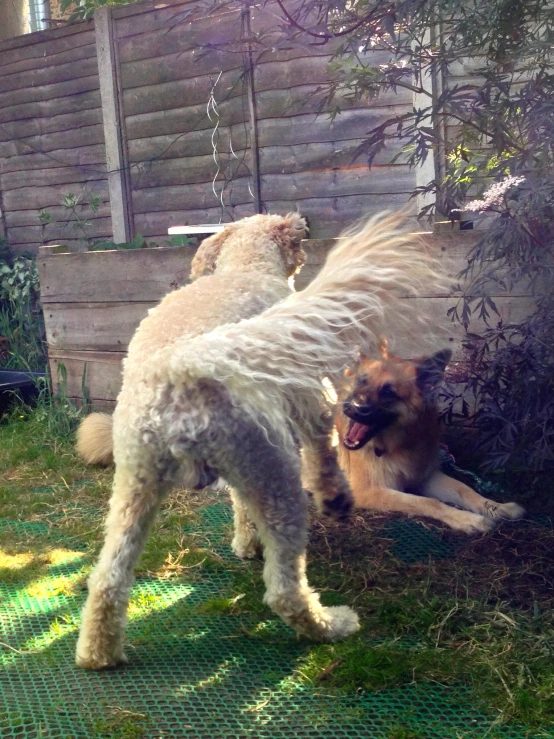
{"x":356,"y":432}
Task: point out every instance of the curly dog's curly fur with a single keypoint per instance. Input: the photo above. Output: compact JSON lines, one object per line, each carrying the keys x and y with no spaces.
{"x":218,"y":383}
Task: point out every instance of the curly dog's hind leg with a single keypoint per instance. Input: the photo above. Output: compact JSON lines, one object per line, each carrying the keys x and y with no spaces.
{"x":133,"y":506}
{"x":266,"y":479}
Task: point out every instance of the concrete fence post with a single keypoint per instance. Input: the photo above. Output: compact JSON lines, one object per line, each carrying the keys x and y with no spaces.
{"x":114,"y":127}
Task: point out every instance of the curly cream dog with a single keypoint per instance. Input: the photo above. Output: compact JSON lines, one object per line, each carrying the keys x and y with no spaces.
{"x":209,"y":391}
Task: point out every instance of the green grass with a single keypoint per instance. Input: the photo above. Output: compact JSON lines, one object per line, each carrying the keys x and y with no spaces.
{"x":483,"y":620}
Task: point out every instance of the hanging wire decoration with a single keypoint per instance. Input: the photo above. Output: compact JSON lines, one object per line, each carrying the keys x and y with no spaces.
{"x":211,"y":109}
{"x":212,"y":112}
{"x":241,"y":161}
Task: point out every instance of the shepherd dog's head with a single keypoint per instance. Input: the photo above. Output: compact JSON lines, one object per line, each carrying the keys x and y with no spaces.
{"x":381,"y":393}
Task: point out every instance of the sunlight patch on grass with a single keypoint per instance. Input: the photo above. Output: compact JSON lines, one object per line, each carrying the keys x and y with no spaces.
{"x":143,"y":602}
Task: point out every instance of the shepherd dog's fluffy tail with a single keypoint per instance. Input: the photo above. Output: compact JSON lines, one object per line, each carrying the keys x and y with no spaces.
{"x":95,"y":439}
{"x":275,"y":361}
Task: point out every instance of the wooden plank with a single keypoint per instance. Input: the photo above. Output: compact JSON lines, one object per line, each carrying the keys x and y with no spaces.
{"x":51,"y":41}
{"x":302,"y":99}
{"x":58,"y":90}
{"x":329,"y":216}
{"x":178,"y":66}
{"x":312,"y":128}
{"x":102,"y":372}
{"x":317,"y":183}
{"x":116,"y":160}
{"x":96,"y":404}
{"x":155,"y":225}
{"x":147,"y":6}
{"x":148,"y":274}
{"x":85,"y":136}
{"x":177,"y":130}
{"x":33,"y":249}
{"x":48,"y":108}
{"x":93,"y":326}
{"x":189,"y":197}
{"x":35,"y":198}
{"x":187,"y":171}
{"x":253,"y":117}
{"x":356,"y":179}
{"x":47,"y":75}
{"x":61,"y":231}
{"x":273,"y":102}
{"x":291,"y":159}
{"x":144,"y":276}
{"x":55,"y":124}
{"x":167,"y":95}
{"x":169,"y":21}
{"x":103,"y":369}
{"x":59,"y":214}
{"x":72,"y":177}
{"x":49,"y":57}
{"x":427,"y":170}
{"x":152,"y":150}
{"x":84,"y":159}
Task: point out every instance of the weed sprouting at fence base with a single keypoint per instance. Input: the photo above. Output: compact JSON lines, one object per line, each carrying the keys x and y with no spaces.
{"x":23,"y":328}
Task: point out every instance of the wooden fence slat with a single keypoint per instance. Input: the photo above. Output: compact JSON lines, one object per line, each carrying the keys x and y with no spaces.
{"x":94,"y":277}
{"x":26,"y":129}
{"x":46,"y":109}
{"x":102,"y":327}
{"x":89,"y":135}
{"x":85,"y":67}
{"x":35,"y":198}
{"x":151,"y":273}
{"x":84,"y":159}
{"x":61,"y":231}
{"x":101,"y":372}
{"x":70,"y":177}
{"x":49,"y":92}
{"x":43,"y":42}
{"x":84,"y":50}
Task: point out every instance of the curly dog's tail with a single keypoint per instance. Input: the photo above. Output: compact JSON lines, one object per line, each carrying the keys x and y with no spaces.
{"x":95,"y":439}
{"x":278,"y":359}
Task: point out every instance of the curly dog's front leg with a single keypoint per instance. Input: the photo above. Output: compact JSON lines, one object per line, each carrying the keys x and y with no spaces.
{"x":321,"y":474}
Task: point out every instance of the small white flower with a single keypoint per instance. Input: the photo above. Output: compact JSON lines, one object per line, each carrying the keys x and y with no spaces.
{"x":494,"y":196}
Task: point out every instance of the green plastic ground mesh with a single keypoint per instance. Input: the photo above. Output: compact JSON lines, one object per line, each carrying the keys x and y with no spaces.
{"x":193,"y":674}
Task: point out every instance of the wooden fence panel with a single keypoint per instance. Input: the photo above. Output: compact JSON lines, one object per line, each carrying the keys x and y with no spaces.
{"x":166,"y":86}
{"x":150,"y":137}
{"x":93,"y":302}
{"x":51,"y":138}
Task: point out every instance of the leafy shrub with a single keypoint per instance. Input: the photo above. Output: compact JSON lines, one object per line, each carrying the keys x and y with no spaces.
{"x":21,"y":320}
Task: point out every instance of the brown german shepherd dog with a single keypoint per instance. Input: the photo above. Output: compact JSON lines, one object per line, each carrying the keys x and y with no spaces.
{"x":389,"y":436}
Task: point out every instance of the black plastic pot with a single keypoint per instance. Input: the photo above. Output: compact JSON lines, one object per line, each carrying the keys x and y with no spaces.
{"x":17,"y":383}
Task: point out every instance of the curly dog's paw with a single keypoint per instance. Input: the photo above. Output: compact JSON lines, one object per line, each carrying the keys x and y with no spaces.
{"x":339,"y":507}
{"x":95,"y":654}
{"x":331,"y":624}
{"x":245,"y":547}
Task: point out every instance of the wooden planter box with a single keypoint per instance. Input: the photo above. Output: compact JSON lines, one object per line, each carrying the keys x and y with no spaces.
{"x":93,"y":303}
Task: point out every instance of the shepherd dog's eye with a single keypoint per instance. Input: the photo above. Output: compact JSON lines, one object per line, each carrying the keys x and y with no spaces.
{"x":387,"y":393}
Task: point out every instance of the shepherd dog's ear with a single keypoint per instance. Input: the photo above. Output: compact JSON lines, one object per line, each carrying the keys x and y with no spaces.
{"x":430,"y":371}
{"x":353,"y":367}
{"x":207,"y":254}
